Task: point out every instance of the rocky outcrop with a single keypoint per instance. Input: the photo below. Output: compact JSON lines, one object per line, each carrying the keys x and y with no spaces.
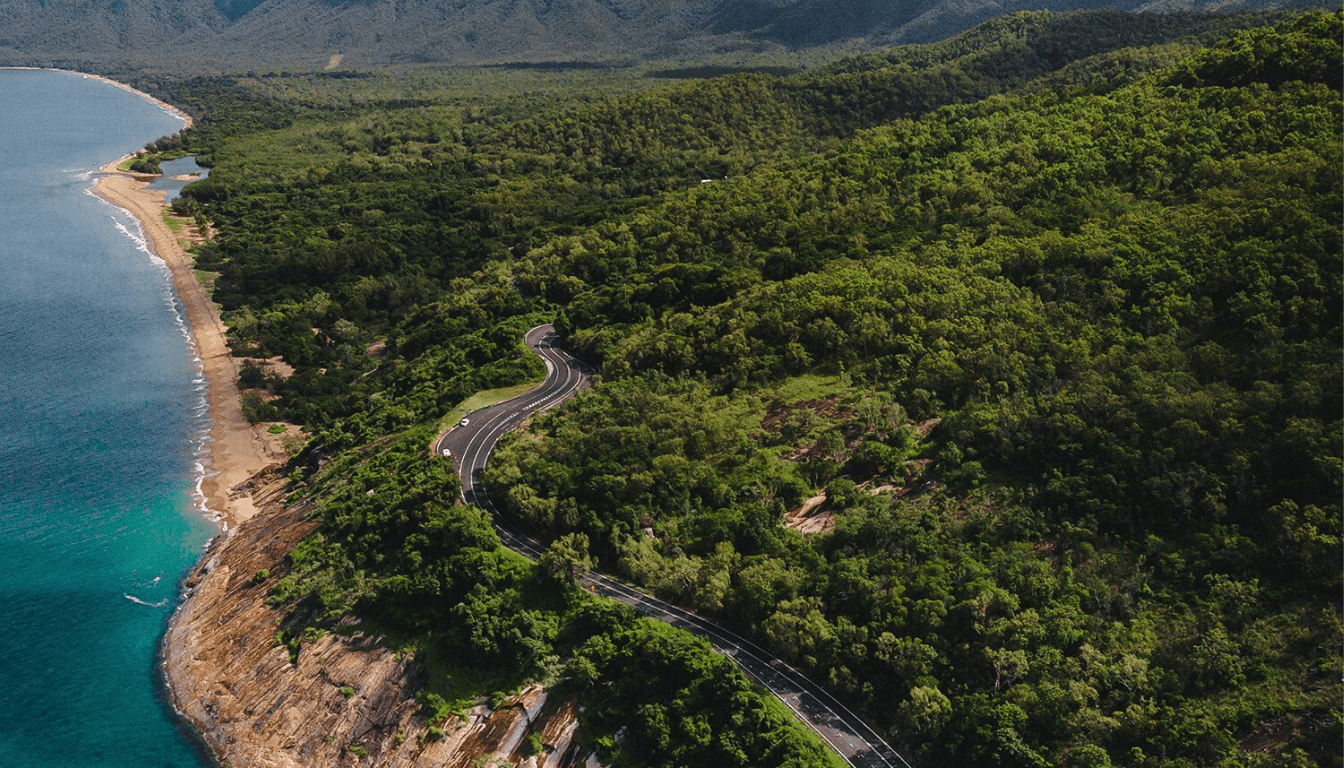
{"x":340,"y":699}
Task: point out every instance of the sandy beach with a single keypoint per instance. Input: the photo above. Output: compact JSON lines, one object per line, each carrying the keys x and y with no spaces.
{"x":237,"y":450}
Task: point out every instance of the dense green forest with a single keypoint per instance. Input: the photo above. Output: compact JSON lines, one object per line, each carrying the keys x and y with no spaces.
{"x":1043,"y":322}
{"x":347,"y":36}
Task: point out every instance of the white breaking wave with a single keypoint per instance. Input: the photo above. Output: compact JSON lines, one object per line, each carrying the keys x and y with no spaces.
{"x":138,"y":601}
{"x":141,"y":244}
{"x":201,"y":414}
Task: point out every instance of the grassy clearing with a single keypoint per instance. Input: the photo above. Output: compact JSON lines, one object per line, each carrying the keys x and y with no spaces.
{"x":481,"y":400}
{"x":173,"y":223}
{"x":810,"y":387}
{"x":207,"y":280}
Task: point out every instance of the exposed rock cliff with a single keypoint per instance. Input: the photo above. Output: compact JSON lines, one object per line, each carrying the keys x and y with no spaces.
{"x":339,"y":700}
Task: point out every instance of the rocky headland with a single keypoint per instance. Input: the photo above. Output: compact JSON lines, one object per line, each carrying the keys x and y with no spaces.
{"x":336,"y":699}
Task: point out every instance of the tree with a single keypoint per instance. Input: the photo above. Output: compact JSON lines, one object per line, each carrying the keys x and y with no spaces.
{"x":566,"y":559}
{"x":925,"y":711}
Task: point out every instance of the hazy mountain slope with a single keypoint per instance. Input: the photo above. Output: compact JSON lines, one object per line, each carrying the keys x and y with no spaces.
{"x":305,"y":33}
{"x":130,"y":29}
{"x":937,"y":19}
{"x":459,"y":30}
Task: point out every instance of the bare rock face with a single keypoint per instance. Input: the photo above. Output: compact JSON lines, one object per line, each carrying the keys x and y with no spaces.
{"x":338,"y":700}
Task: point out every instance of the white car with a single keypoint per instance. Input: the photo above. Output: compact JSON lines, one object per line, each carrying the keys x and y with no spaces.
{"x":464,"y":422}
{"x":447,"y":453}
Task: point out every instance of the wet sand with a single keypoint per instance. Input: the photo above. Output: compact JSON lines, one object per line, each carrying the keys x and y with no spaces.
{"x":237,"y":450}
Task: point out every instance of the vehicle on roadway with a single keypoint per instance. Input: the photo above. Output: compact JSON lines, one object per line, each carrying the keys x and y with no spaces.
{"x":843,"y":731}
{"x":464,"y":422}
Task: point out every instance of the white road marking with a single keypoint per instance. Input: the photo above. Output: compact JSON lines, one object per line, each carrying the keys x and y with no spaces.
{"x":484,"y":441}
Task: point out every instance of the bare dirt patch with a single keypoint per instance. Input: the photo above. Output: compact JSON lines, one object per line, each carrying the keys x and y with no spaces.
{"x":272,"y":365}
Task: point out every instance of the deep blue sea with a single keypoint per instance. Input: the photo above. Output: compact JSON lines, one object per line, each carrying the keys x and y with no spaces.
{"x":102,"y":419}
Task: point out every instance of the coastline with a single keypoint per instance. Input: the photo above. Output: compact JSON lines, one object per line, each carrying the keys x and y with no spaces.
{"x":236,"y":450}
{"x":245,"y":697}
{"x":325,"y":699}
{"x":187,"y":122}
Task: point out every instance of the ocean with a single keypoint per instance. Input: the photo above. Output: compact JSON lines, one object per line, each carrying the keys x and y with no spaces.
{"x":102,"y":427}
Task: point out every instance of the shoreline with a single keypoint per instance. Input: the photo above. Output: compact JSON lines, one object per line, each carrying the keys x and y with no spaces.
{"x":187,"y":122}
{"x":236,"y":451}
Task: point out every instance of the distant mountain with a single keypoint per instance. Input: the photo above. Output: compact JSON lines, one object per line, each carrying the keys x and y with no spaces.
{"x":134,"y":29}
{"x":306,"y":33}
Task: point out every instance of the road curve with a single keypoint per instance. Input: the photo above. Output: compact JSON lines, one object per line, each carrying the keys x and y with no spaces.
{"x":470,"y":446}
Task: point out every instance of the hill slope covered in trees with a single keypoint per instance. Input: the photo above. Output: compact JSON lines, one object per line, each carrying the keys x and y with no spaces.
{"x":306,"y":34}
{"x":1045,"y":317}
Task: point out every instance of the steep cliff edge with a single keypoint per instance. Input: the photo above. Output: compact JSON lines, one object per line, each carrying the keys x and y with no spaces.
{"x":339,"y":700}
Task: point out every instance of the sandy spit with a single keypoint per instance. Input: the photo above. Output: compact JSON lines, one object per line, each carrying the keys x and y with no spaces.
{"x":237,"y":450}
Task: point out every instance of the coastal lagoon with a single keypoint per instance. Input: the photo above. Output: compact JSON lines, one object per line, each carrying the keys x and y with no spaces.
{"x":102,"y":428}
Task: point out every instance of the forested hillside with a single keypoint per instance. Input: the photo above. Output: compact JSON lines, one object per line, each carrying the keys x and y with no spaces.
{"x":1036,"y":331}
{"x":307,"y":35}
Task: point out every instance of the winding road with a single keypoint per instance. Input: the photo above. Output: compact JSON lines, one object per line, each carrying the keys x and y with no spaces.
{"x":470,"y":444}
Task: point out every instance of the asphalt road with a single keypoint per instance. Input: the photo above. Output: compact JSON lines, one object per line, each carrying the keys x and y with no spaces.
{"x":470,"y":446}
{"x":472,"y":443}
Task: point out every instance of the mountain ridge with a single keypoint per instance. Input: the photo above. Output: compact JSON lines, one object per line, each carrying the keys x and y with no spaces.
{"x":306,"y":33}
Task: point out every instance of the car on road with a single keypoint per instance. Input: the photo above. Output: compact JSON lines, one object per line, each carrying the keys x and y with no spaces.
{"x":447,"y":453}
{"x":464,"y":422}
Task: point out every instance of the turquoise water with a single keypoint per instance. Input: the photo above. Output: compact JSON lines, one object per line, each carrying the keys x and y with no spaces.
{"x":101,"y":422}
